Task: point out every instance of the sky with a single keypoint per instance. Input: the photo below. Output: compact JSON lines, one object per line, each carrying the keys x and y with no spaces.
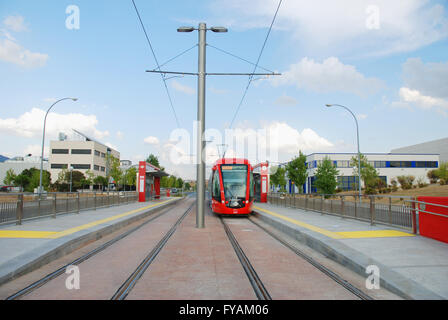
{"x":386,"y":61}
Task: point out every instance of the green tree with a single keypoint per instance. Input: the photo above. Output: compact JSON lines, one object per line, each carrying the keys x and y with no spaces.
{"x":131,"y":176}
{"x":326,"y":177}
{"x":187,"y":186}
{"x":179,"y":183}
{"x":10,"y":177}
{"x":277,"y":177}
{"x":22,"y":181}
{"x":171,"y":182}
{"x":89,"y":177}
{"x":34,"y":180}
{"x":100,"y":181}
{"x":114,"y":169}
{"x":296,"y":171}
{"x":152,"y":159}
{"x":442,"y":173}
{"x":164,"y":182}
{"x":369,"y":175}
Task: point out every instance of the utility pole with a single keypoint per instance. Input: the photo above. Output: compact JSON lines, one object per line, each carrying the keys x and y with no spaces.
{"x":200,"y":173}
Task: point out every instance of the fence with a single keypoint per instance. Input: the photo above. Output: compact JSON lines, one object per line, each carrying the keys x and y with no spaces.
{"x":21,"y":207}
{"x":396,"y":211}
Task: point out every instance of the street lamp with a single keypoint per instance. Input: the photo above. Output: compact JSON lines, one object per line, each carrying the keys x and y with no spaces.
{"x":71,"y":178}
{"x":43,"y":142}
{"x":357,"y":136}
{"x":202,"y":30}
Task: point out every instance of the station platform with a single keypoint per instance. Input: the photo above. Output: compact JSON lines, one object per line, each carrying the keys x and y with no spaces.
{"x":26,"y":247}
{"x":412,"y":266}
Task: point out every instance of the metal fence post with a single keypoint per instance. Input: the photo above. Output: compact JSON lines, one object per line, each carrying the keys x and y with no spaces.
{"x":77,"y":200}
{"x":94,"y":200}
{"x":322,"y":204}
{"x":342,"y":207}
{"x":66,"y":202}
{"x":390,"y":210}
{"x":38,"y":206}
{"x":372,"y":210}
{"x":54,"y":205}
{"x":414,"y":217}
{"x":356,"y":207}
{"x":306,"y":203}
{"x":19,"y":209}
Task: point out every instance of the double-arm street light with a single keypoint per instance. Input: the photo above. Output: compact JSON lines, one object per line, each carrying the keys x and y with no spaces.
{"x":43,"y":142}
{"x":202,"y":29}
{"x":357,"y":136}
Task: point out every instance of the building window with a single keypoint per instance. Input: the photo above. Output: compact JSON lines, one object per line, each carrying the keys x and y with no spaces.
{"x":81,"y":151}
{"x":103,"y":155}
{"x":343,"y":164}
{"x":380,"y":164}
{"x":348,"y":183}
{"x":81,"y":166}
{"x":59,"y":151}
{"x":97,"y":153}
{"x":59,"y":166}
{"x":96,"y":168}
{"x":103,"y":169}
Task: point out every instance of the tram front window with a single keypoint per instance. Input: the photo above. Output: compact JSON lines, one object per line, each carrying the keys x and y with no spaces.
{"x":234,"y":178}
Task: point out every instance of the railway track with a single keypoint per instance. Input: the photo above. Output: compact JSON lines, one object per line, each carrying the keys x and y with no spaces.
{"x":258,"y":286}
{"x":39,"y":283}
{"x":338,"y":279}
{"x":127,"y":286}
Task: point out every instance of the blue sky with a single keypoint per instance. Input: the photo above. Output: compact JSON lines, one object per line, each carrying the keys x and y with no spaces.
{"x":385,"y":60}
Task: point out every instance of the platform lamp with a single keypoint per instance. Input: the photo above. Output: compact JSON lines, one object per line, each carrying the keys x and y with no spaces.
{"x":43,"y":142}
{"x":357,"y":137}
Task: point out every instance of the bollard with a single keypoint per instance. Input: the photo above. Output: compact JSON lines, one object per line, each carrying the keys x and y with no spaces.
{"x":19,"y":209}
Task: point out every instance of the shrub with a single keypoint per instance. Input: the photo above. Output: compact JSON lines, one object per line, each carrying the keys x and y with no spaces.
{"x":406,"y":182}
{"x":421,"y":182}
{"x":432,"y":176}
{"x":443,"y":182}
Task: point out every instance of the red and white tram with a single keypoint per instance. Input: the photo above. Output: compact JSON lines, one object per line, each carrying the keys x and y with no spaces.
{"x":231,"y":187}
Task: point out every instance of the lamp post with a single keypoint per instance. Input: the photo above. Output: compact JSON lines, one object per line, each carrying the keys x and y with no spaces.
{"x":202,"y":29}
{"x":357,"y":137}
{"x":43,"y":142}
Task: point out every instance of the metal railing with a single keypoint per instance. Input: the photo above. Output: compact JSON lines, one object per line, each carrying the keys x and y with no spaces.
{"x":19,"y":207}
{"x":397,"y":211}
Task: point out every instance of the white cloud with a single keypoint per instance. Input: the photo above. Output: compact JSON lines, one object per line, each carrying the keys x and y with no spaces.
{"x":361,"y":116}
{"x":151,"y":140}
{"x":120,"y":135}
{"x":329,"y":76}
{"x":30,"y":124}
{"x":409,"y":98}
{"x":15,"y":23}
{"x":110,"y":145}
{"x":324,"y":26}
{"x":182,"y":88}
{"x":11,"y":51}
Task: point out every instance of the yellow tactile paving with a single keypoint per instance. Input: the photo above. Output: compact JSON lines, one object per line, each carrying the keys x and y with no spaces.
{"x":375,"y":234}
{"x":25,"y":234}
{"x":340,"y":235}
{"x":56,"y":235}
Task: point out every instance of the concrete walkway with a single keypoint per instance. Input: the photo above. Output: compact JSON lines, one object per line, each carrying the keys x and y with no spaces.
{"x":26,"y":247}
{"x":410,"y":265}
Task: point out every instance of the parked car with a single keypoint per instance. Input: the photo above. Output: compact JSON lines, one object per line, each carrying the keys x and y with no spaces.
{"x":174,"y":190}
{"x":6,"y":188}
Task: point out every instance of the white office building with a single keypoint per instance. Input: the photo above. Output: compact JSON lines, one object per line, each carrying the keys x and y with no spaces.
{"x":81,"y":153}
{"x":388,"y":165}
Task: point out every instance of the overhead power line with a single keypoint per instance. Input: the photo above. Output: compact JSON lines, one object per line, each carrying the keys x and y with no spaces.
{"x":256,"y":65}
{"x":157,"y":62}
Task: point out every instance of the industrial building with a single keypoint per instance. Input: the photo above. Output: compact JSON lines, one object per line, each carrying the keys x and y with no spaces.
{"x":436,"y":146}
{"x":82,"y":153}
{"x":18,"y":164}
{"x":388,"y":165}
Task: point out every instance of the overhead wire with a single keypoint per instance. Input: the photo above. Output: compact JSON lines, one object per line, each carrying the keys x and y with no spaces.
{"x":256,"y":65}
{"x":157,"y":62}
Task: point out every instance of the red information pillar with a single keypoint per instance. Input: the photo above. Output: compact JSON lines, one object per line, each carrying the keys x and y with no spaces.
{"x":433,"y":225}
{"x":263,"y":169}
{"x":141,"y":181}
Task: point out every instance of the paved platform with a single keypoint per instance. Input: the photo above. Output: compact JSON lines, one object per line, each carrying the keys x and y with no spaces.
{"x":26,"y":247}
{"x":410,"y":265}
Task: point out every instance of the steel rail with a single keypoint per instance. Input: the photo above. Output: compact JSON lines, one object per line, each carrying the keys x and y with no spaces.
{"x":258,"y":286}
{"x":316,"y":264}
{"x":83,"y":258}
{"x":130,"y":282}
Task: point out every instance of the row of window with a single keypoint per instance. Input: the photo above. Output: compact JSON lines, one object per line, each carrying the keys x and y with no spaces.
{"x":379,"y":164}
{"x":78,"y":151}
{"x":77,"y":167}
